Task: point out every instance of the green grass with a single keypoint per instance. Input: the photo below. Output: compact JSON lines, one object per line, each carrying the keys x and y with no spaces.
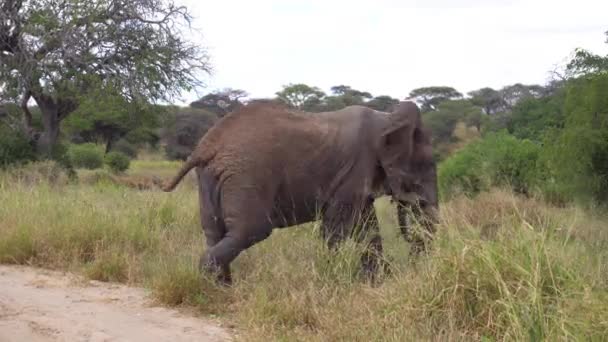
{"x":502,"y":267}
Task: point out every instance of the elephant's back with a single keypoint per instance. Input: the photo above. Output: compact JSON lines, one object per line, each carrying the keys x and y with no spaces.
{"x":264,"y":140}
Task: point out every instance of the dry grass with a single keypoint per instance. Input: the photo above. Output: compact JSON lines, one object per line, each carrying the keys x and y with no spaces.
{"x":502,"y":267}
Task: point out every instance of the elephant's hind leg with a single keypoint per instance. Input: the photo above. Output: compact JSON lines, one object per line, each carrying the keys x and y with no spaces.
{"x":211,"y":221}
{"x":246,"y":222}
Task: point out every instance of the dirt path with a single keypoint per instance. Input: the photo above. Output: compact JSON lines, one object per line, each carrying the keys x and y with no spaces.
{"x":41,"y":305}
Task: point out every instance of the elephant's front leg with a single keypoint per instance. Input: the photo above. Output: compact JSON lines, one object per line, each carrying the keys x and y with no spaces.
{"x":338,"y":220}
{"x":359,"y":221}
{"x":367,"y":232}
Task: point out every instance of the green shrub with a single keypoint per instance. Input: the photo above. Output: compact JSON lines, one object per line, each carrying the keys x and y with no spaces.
{"x":498,"y":160}
{"x":117,"y":161}
{"x":126,"y":147}
{"x":88,"y":156}
{"x":461,"y":173}
{"x":14,"y":148}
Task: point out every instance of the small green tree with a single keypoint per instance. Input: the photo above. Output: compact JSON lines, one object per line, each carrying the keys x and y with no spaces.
{"x":107,"y":117}
{"x":489,"y":99}
{"x":300,"y":96}
{"x":443,"y":120}
{"x":117,"y":162}
{"x":87,"y":156}
{"x":532,"y":117}
{"x":382,"y":103}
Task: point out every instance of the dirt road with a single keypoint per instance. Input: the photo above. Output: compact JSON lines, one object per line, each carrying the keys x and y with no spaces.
{"x":40,"y":305}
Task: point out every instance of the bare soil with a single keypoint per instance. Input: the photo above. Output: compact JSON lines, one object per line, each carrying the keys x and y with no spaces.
{"x":42,"y":305}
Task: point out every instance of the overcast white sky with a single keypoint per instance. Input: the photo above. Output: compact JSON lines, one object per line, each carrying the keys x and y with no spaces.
{"x":389,"y":47}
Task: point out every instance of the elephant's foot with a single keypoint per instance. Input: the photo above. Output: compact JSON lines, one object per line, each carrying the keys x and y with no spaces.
{"x":221,"y":273}
{"x":419,"y":248}
{"x":374,"y":268}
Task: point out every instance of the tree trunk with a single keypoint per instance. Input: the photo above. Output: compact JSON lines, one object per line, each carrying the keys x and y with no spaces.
{"x":50,"y":134}
{"x":109,"y":144}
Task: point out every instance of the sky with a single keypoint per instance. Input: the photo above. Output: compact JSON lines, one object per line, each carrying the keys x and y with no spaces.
{"x":389,"y":47}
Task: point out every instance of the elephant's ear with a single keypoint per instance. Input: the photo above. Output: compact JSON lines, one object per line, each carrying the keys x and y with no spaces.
{"x":397,"y":136}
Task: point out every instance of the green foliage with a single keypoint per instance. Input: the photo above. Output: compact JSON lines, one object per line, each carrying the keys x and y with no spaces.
{"x":124,"y":146}
{"x":70,"y":49}
{"x":382,"y":103}
{"x":498,"y":160}
{"x":14,"y":147}
{"x":300,"y":95}
{"x":512,"y":94}
{"x":117,"y":161}
{"x":531,"y":117}
{"x":104,"y":115}
{"x":461,"y":173}
{"x":586,"y":63}
{"x":443,"y":120}
{"x":577,"y":155}
{"x":489,"y":99}
{"x":87,"y":156}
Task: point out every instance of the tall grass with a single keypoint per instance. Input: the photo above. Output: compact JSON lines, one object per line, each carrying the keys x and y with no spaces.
{"x":502,"y":267}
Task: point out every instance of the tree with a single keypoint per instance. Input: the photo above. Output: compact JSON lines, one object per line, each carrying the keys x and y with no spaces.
{"x":586,"y":63}
{"x":109,"y":117}
{"x":300,"y":96}
{"x":578,"y":153}
{"x":55,"y":52}
{"x":488,"y":99}
{"x":383,"y":103}
{"x":221,"y":102}
{"x":443,"y":120}
{"x":343,"y":96}
{"x":343,"y":90}
{"x":514,"y":93}
{"x":429,"y":98}
{"x":532,"y":117}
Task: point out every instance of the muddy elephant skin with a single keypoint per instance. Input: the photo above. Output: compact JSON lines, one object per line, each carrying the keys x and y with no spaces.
{"x":266,"y":166}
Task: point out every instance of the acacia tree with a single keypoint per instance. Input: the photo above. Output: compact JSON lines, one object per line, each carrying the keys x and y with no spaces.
{"x":221,"y":102}
{"x":489,"y":99}
{"x":430,"y":97}
{"x":56,"y":51}
{"x":383,"y":102}
{"x":300,"y":95}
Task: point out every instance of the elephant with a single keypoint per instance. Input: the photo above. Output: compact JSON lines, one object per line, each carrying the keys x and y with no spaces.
{"x":266,"y":166}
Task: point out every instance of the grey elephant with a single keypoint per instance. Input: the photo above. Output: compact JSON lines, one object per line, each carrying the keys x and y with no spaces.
{"x":267,"y":166}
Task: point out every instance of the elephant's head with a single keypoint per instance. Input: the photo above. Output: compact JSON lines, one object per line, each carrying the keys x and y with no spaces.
{"x":406,"y":156}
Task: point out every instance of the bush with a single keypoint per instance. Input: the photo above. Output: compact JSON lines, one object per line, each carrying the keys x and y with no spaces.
{"x":14,"y":148}
{"x":498,"y":160}
{"x":461,"y":173}
{"x":88,"y":156}
{"x":117,"y":161}
{"x":126,"y":147}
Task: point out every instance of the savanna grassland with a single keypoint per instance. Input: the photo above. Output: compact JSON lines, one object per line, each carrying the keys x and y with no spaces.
{"x":503,"y":267}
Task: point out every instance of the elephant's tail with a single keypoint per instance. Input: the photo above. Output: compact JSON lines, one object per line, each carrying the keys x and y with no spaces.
{"x":191,"y":163}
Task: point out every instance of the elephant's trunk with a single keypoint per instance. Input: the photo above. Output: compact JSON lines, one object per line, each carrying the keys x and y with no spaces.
{"x":422,"y":210}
